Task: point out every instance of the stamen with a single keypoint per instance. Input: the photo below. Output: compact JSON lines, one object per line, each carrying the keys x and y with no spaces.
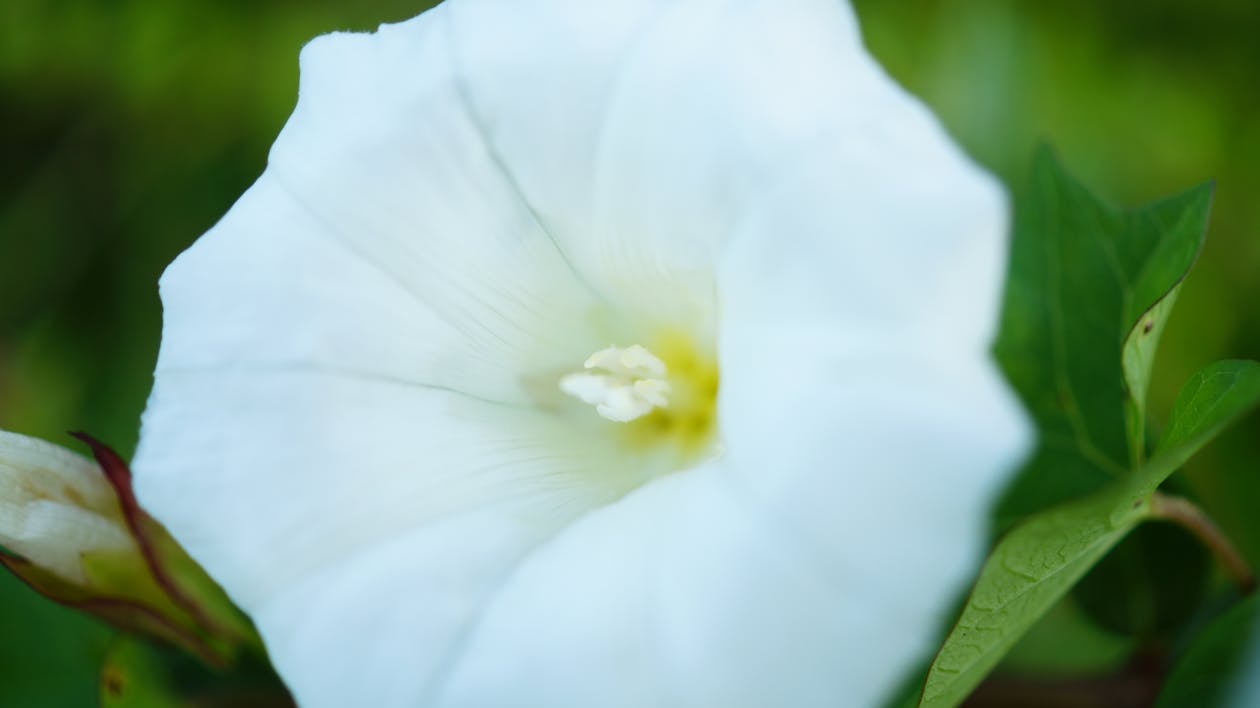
{"x":623,"y":384}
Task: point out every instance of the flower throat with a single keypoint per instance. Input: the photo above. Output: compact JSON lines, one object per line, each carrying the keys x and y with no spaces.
{"x":664,"y":396}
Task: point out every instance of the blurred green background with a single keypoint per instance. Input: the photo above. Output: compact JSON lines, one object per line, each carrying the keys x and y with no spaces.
{"x":130,"y":126}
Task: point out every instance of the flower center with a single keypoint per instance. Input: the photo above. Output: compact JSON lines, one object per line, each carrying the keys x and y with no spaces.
{"x":623,"y":384}
{"x":666,"y":396}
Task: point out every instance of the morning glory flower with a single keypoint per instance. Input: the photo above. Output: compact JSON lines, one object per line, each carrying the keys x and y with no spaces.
{"x":619,"y":353}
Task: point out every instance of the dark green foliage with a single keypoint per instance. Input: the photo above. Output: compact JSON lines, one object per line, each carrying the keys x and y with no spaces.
{"x":1089,"y":291}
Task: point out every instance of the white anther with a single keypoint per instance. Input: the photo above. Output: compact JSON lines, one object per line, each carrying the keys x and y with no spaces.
{"x":628,"y":384}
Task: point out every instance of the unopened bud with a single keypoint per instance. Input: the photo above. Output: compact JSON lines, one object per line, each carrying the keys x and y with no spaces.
{"x":55,"y":507}
{"x":71,"y":528}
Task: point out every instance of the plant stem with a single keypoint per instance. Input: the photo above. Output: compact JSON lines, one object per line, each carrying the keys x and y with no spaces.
{"x":1185,"y":513}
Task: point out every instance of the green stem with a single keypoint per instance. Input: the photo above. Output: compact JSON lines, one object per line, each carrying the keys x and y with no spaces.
{"x":1186,"y":514}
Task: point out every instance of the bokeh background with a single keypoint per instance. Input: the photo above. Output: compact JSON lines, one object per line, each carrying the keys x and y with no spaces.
{"x":130,"y":126}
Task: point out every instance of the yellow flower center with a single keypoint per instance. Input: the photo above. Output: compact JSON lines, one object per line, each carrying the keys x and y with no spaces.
{"x":665,"y":396}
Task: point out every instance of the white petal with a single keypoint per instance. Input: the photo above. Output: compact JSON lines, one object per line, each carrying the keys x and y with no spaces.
{"x":382,"y":627}
{"x":546,"y":98}
{"x":641,"y":131}
{"x":648,"y":135}
{"x":268,"y":290}
{"x":268,"y":477}
{"x":685,"y":593}
{"x":387,"y":164}
{"x":889,"y":244}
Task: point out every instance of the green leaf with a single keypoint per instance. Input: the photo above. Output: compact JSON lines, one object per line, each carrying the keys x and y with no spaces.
{"x":1213,"y":398}
{"x":1207,"y":675}
{"x":1028,"y":572}
{"x":1088,"y":293}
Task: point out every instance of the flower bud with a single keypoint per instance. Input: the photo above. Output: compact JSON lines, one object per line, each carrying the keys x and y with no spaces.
{"x":56,"y":507}
{"x":72,"y":530}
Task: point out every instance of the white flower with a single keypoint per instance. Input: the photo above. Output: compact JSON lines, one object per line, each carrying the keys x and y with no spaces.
{"x":439,"y":403}
{"x":56,"y":507}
